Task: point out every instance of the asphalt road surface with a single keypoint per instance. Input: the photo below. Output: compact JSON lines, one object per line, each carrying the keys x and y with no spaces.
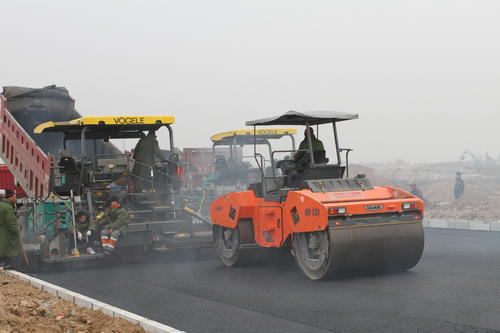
{"x":454,"y":288}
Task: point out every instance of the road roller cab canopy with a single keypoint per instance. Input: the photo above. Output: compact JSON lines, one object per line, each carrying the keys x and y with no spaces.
{"x":318,"y":162}
{"x":308,"y":119}
{"x":304,"y":118}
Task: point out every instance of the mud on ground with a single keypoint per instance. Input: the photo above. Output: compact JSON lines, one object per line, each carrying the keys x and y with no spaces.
{"x":24,"y":308}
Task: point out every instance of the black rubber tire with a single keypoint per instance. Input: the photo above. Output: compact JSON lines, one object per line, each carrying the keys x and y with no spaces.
{"x":314,"y":262}
{"x":227,"y":244}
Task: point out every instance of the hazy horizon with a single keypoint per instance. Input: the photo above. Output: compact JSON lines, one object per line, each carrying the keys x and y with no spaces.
{"x":424,"y":76}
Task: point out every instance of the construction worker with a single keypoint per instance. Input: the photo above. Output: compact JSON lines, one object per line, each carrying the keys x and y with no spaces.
{"x":458,"y":191}
{"x":113,"y":225}
{"x":83,"y":232}
{"x":416,"y":191}
{"x":303,"y":156}
{"x":145,"y":152}
{"x":10,"y":238}
{"x":222,"y":171}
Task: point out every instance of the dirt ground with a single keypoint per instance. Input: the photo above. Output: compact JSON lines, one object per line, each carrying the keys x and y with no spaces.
{"x":481,"y":199}
{"x":24,"y":308}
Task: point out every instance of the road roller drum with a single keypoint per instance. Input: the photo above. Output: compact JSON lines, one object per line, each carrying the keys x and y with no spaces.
{"x":366,"y":249}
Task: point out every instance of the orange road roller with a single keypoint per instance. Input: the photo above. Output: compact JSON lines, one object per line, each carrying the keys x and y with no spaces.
{"x":333,"y":224}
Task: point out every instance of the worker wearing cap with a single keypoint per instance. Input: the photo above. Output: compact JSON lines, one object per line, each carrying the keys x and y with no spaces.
{"x":113,"y":225}
{"x":10,"y":239}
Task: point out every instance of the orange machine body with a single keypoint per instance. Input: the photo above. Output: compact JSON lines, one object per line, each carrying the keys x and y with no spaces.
{"x":304,"y":211}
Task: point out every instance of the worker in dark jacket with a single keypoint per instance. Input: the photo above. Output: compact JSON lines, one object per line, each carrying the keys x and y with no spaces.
{"x":458,"y":191}
{"x":303,"y":156}
{"x":10,"y":239}
{"x":301,"y":159}
{"x":145,"y":153}
{"x":83,"y":233}
{"x":113,"y":225}
{"x":416,"y":191}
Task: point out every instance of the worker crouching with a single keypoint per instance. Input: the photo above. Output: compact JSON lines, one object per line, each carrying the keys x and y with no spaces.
{"x":113,"y":225}
{"x":84,"y":236}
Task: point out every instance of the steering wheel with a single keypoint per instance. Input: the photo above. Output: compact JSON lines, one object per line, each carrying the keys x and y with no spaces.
{"x":284,"y":165}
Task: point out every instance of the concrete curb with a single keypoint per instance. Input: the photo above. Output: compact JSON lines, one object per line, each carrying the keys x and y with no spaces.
{"x":462,"y":225}
{"x":90,"y":303}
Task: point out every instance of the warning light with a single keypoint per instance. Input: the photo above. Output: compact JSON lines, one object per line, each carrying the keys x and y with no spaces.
{"x":336,"y":210}
{"x":338,"y":223}
{"x":410,"y":205}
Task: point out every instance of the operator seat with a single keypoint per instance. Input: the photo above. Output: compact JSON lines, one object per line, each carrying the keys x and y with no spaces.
{"x":284,"y":165}
{"x":68,"y":165}
{"x":70,"y":169}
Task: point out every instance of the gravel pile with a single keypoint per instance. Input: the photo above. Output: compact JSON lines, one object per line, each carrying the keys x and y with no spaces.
{"x":24,"y":308}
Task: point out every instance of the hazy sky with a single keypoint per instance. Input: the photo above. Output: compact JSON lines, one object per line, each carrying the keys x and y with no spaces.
{"x":423,"y":75}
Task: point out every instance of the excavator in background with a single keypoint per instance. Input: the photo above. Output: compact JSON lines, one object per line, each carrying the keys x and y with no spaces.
{"x":488,"y":161}
{"x":331,"y":224}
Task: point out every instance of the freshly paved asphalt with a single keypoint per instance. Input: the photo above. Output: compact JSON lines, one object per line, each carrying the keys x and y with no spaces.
{"x":454,"y":288}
